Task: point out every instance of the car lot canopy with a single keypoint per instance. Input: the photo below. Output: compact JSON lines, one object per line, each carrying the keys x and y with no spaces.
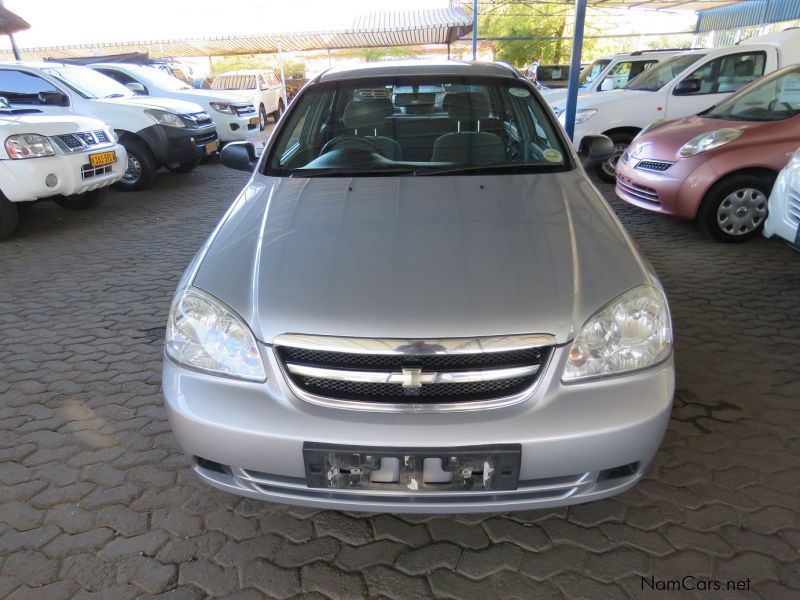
{"x":376,"y":29}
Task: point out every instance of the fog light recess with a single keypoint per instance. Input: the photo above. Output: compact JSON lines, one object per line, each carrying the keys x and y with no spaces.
{"x":51,"y":180}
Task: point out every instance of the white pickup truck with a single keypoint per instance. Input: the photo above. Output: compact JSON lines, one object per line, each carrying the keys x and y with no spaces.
{"x":684,"y":85}
{"x":234,"y":115}
{"x":67,"y":158}
{"x":262,"y":87}
{"x":156,"y":132}
{"x":612,"y":72}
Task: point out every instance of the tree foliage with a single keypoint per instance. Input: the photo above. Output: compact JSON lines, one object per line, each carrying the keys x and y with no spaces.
{"x":291,"y":68}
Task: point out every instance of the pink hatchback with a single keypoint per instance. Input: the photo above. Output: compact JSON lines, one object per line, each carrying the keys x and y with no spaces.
{"x":719,"y":166}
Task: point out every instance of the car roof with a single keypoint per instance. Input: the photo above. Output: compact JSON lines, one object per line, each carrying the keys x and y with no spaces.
{"x":419,"y":67}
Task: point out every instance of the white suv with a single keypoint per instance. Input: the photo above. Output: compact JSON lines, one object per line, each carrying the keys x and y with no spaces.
{"x":156,"y":132}
{"x":69,"y":159}
{"x":234,"y":115}
{"x":262,"y":87}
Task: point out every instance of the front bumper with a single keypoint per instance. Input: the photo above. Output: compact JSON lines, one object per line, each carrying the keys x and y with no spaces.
{"x":24,"y":180}
{"x":677,"y":191}
{"x":247,"y":438}
{"x":234,"y":128}
{"x":173,"y":146}
{"x":783,"y":218}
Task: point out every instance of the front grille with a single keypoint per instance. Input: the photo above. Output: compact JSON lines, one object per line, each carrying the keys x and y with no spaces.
{"x":200,"y":119}
{"x":245,"y":109}
{"x":206,"y":137}
{"x":639,"y":192}
{"x":87,"y":171}
{"x":412,"y":376}
{"x":653,"y":165}
{"x":83,"y":139}
{"x":793,"y":207}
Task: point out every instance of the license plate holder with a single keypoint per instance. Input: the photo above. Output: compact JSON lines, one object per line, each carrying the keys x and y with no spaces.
{"x":473,"y":468}
{"x":101,"y":159}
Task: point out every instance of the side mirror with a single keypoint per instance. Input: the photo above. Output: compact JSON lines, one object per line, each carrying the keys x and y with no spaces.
{"x":53,"y":99}
{"x":607,"y":85}
{"x":136,"y":88}
{"x":687,"y":86}
{"x":239,"y":155}
{"x":595,"y":149}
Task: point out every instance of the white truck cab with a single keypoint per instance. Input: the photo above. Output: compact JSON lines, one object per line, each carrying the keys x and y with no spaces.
{"x":233,"y":114}
{"x":261,"y":86}
{"x":67,"y":158}
{"x":612,"y":72}
{"x":684,"y":85}
{"x":155,"y":131}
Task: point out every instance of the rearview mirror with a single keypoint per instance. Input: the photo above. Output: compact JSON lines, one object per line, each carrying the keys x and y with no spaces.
{"x":136,"y":88}
{"x":595,"y":148}
{"x":607,"y":85}
{"x":239,"y":155}
{"x":687,"y":86}
{"x":53,"y":99}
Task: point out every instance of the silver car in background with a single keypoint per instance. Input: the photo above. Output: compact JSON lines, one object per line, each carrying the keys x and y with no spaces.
{"x":419,"y":303}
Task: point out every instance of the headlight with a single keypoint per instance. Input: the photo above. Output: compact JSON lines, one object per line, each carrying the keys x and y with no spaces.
{"x":632,"y":332}
{"x":708,"y":141}
{"x":223,"y":107}
{"x":204,"y":334}
{"x":581,"y":116}
{"x":28,"y":145}
{"x":162,"y":117}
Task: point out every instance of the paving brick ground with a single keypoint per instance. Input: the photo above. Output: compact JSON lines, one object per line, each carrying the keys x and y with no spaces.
{"x":96,"y":501}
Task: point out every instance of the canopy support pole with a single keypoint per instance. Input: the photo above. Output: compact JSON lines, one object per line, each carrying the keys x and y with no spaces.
{"x":574,"y":68}
{"x":474,"y":29}
{"x":280,"y":64}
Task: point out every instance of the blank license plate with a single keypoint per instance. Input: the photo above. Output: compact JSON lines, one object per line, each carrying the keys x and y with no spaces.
{"x":212,"y":146}
{"x":102,"y":158}
{"x":465,"y":468}
{"x":254,"y":121}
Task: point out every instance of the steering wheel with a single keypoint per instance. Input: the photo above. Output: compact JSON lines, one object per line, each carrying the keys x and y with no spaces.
{"x":351,"y":141}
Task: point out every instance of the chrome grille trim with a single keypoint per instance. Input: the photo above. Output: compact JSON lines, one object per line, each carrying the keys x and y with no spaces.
{"x":409,"y":395}
{"x":659,"y":166}
{"x":82,"y":141}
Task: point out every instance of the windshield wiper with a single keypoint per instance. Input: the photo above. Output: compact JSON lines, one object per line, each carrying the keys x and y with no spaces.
{"x":519,"y":167}
{"x":333,"y":172}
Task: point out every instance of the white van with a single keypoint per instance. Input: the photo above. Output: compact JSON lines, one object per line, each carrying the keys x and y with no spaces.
{"x":612,"y":72}
{"x":69,"y":159}
{"x":262,"y":87}
{"x":684,"y":85}
{"x":154,"y":131}
{"x":234,"y":116}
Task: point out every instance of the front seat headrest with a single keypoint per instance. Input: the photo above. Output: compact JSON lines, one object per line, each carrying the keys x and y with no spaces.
{"x":366,"y":113}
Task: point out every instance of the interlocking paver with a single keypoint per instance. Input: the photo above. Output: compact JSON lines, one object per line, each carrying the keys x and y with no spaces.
{"x":96,"y":501}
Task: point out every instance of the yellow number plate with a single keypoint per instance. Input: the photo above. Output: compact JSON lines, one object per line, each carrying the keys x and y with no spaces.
{"x":254,"y":121}
{"x":212,"y":146}
{"x":102,"y":158}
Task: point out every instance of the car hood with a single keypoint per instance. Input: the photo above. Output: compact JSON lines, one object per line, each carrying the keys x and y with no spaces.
{"x":154,"y":102}
{"x":663,"y":139}
{"x":47,"y":124}
{"x":419,"y":257}
{"x":598,"y":99}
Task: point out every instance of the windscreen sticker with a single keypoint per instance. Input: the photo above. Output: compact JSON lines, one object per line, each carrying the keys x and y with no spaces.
{"x":552,"y":155}
{"x":790,"y":91}
{"x":519,"y":92}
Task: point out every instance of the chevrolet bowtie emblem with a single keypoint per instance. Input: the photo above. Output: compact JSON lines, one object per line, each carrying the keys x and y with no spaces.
{"x":412,"y":378}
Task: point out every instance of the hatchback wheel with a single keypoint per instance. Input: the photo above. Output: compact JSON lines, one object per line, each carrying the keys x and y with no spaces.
{"x":607,"y":170}
{"x":734,"y":210}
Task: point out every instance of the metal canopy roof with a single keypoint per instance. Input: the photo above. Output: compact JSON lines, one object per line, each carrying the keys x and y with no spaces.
{"x":397,"y":28}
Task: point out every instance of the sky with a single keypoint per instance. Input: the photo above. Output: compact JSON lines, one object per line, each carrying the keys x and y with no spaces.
{"x":61,"y":22}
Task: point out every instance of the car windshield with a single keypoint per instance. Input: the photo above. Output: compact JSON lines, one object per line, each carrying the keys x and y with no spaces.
{"x":88,"y":82}
{"x":416,"y":126}
{"x":774,"y":98}
{"x":660,"y":75}
{"x":161,"y":79}
{"x":590,"y":73}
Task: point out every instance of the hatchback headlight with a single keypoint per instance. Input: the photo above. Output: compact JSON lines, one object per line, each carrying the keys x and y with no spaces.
{"x":28,"y":145}
{"x":633,"y":331}
{"x":163,"y":117}
{"x":204,"y":334}
{"x":708,"y":141}
{"x":223,"y":107}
